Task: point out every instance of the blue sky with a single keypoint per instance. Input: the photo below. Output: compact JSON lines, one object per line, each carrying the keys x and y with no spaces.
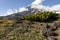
{"x":16,"y":4}
{"x":51,"y":2}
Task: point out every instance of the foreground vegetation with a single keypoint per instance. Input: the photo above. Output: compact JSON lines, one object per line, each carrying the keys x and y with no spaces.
{"x":17,"y":29}
{"x":41,"y":16}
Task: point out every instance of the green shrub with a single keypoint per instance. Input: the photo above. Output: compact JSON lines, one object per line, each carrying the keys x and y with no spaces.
{"x":58,"y":18}
{"x":41,"y":16}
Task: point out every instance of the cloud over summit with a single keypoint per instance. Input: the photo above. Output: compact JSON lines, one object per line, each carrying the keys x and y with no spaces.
{"x":22,"y":9}
{"x":46,"y":8}
{"x":37,"y":2}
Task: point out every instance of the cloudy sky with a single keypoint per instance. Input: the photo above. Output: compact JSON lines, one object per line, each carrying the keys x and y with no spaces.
{"x":8,"y":7}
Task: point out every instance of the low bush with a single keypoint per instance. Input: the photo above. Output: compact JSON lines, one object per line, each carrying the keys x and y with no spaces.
{"x":41,"y":16}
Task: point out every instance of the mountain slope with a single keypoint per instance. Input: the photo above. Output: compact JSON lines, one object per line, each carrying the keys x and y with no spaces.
{"x":31,"y":30}
{"x":31,"y":9}
{"x":39,"y":26}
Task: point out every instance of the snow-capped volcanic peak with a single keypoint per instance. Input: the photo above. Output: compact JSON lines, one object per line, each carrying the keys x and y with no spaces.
{"x":37,"y":6}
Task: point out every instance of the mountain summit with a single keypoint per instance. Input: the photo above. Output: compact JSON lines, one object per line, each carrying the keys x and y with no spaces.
{"x":33,"y":8}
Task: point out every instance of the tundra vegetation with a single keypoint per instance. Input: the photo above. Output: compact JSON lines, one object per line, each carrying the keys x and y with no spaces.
{"x":18,"y":29}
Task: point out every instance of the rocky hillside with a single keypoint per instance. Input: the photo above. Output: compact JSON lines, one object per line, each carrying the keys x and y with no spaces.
{"x":30,"y":30}
{"x":39,"y":26}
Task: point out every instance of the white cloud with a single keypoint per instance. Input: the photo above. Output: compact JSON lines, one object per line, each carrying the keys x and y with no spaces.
{"x":50,"y":8}
{"x":9,"y":11}
{"x":37,"y":4}
{"x":55,"y":8}
{"x":37,"y":1}
{"x":22,"y":9}
{"x":58,"y":12}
